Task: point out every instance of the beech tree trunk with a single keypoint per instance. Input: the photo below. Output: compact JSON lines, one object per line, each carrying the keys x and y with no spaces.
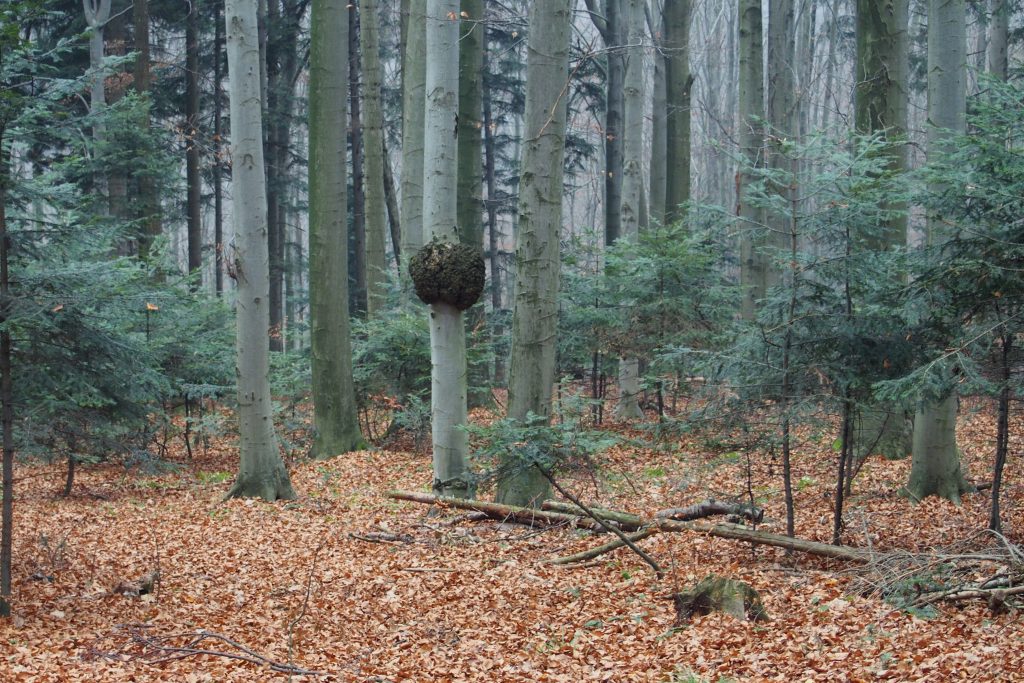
{"x":628,"y":407}
{"x":373,"y":145}
{"x":998,"y":63}
{"x":935,"y":466}
{"x":6,"y":391}
{"x":754,"y":262}
{"x":447,"y":333}
{"x":149,"y":199}
{"x":414,"y":63}
{"x":97,"y":12}
{"x":677,"y":87}
{"x":193,"y":179}
{"x":535,"y":312}
{"x":657,"y":185}
{"x":334,"y":401}
{"x":261,"y":473}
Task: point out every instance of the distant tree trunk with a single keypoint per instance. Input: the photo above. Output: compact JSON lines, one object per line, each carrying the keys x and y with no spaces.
{"x":192,"y":158}
{"x":659,"y":121}
{"x":628,"y":407}
{"x":394,"y":217}
{"x":1002,"y":428}
{"x":753,"y":259}
{"x":935,"y":467}
{"x":97,"y":12}
{"x":781,"y":114}
{"x":534,"y":329}
{"x":447,"y":332}
{"x":998,"y":63}
{"x":373,"y":144}
{"x":262,"y":473}
{"x":493,"y":246}
{"x":218,"y":161}
{"x":358,"y":172}
{"x":677,"y":86}
{"x":6,"y":391}
{"x":334,"y":401}
{"x":414,"y":62}
{"x":149,"y":200}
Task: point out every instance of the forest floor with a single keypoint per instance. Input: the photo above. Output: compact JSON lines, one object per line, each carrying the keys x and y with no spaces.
{"x":475,"y":601}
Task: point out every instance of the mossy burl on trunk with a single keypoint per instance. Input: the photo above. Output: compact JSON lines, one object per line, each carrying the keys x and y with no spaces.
{"x":448,"y":273}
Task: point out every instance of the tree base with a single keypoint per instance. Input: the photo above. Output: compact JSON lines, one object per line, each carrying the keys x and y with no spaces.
{"x":270,"y":487}
{"x":719,"y":594}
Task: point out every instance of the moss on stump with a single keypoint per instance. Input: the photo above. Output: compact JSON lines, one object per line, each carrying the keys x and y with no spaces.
{"x":448,"y":273}
{"x":719,"y":594}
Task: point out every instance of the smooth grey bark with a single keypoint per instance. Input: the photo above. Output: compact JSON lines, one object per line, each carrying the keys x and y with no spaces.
{"x":334,"y":401}
{"x":358,"y":262}
{"x":628,"y":407}
{"x":880,"y":105}
{"x":192,"y":146}
{"x":753,"y":259}
{"x":414,"y":63}
{"x":678,"y":80}
{"x":261,"y":472}
{"x":148,"y":197}
{"x":999,"y":28}
{"x":935,"y":467}
{"x":781,"y":110}
{"x":97,"y":13}
{"x":535,"y":312}
{"x":659,"y":122}
{"x":440,"y":165}
{"x":373,"y":146}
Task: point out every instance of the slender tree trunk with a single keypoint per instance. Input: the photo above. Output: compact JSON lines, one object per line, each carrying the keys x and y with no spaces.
{"x":334,"y":401}
{"x":394,"y":217}
{"x":628,"y":407}
{"x":97,"y":12}
{"x":414,"y":61}
{"x":678,"y":81}
{"x":611,"y":27}
{"x":659,"y":122}
{"x":218,"y":161}
{"x":1002,"y":430}
{"x":373,"y":143}
{"x":358,"y":172}
{"x":535,"y":314}
{"x":6,"y":392}
{"x":149,"y":200}
{"x":998,"y":63}
{"x":753,"y":259}
{"x":192,"y":158}
{"x":262,"y":473}
{"x":447,"y":332}
{"x":935,"y":466}
{"x":493,"y":238}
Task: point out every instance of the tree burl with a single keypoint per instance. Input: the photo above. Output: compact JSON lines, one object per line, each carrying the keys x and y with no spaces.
{"x":448,"y":273}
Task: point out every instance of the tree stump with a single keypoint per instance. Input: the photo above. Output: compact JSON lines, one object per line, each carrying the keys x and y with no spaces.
{"x":719,"y":594}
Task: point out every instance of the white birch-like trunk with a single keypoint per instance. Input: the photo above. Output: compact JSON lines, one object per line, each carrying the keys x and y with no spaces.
{"x":935,"y":467}
{"x":535,"y":312}
{"x":628,"y":407}
{"x":373,"y":168}
{"x":261,"y":472}
{"x":447,"y":333}
{"x":414,"y":64}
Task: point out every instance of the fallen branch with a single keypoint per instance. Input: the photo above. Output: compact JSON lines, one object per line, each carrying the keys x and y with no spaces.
{"x":731,"y":531}
{"x":499,"y":512}
{"x":711,"y":507}
{"x":996,"y":597}
{"x":624,"y":520}
{"x":602,"y":549}
{"x":382,"y":537}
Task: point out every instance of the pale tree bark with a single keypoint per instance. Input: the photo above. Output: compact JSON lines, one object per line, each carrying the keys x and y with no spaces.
{"x":440,"y":163}
{"x":261,"y":473}
{"x":358,"y":263}
{"x":678,"y":81}
{"x":334,"y":401}
{"x":149,"y":200}
{"x":935,"y":467}
{"x":628,"y":407}
{"x":535,"y":312}
{"x":192,"y":147}
{"x":753,"y":259}
{"x":880,"y":105}
{"x":657,"y":185}
{"x":781,"y":113}
{"x":373,"y":145}
{"x":97,"y":12}
{"x":999,"y":28}
{"x":414,"y":63}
